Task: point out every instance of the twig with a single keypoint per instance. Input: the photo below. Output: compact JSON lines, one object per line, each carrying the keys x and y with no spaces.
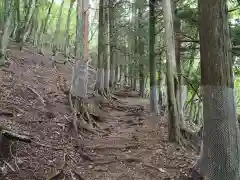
{"x":9,"y":165}
{"x":35,"y":92}
{"x":10,"y":148}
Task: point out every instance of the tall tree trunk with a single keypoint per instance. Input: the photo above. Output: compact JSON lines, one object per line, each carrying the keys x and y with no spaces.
{"x":178,"y":88}
{"x":79,"y":46}
{"x":152,"y":61}
{"x":47,"y":17}
{"x":43,"y":29}
{"x":171,"y":72}
{"x":117,"y":66}
{"x":221,"y":151}
{"x":140,"y":48}
{"x":112,"y":40}
{"x":57,"y":30}
{"x":121,"y":78}
{"x":26,"y":26}
{"x":4,"y":38}
{"x":6,"y":6}
{"x":18,"y":32}
{"x":125,"y":67}
{"x":100,"y":67}
{"x":161,"y":84}
{"x":35,"y":23}
{"x":68,"y":22}
{"x":86,"y":29}
{"x":106,"y":47}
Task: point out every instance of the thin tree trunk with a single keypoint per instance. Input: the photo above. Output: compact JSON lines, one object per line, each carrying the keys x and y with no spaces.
{"x":43,"y":29}
{"x":106,"y":47}
{"x":79,"y":46}
{"x":100,"y":67}
{"x":152,"y":61}
{"x":47,"y":17}
{"x":57,"y":30}
{"x":26,"y":25}
{"x":67,"y":37}
{"x":5,"y":37}
{"x":112,"y":42}
{"x":171,"y":72}
{"x":141,"y":54}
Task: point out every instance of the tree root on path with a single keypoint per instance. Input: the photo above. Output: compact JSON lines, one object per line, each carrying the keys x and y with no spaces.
{"x":84,"y":119}
{"x":126,"y":94}
{"x":120,"y":107}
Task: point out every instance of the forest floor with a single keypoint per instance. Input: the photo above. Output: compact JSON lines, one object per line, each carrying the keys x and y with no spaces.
{"x":32,"y":104}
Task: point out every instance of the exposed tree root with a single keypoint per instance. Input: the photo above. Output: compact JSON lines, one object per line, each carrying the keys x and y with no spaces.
{"x":126,"y":94}
{"x":122,"y":107}
{"x":84,"y":118}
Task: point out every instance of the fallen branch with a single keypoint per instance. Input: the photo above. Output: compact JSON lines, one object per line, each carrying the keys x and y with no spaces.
{"x":14,"y":136}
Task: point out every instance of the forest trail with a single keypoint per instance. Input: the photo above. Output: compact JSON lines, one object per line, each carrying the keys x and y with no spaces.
{"x":32,"y":103}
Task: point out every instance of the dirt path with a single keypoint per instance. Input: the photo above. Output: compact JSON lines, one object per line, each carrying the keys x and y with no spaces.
{"x":137,"y":149}
{"x":32,"y":104}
